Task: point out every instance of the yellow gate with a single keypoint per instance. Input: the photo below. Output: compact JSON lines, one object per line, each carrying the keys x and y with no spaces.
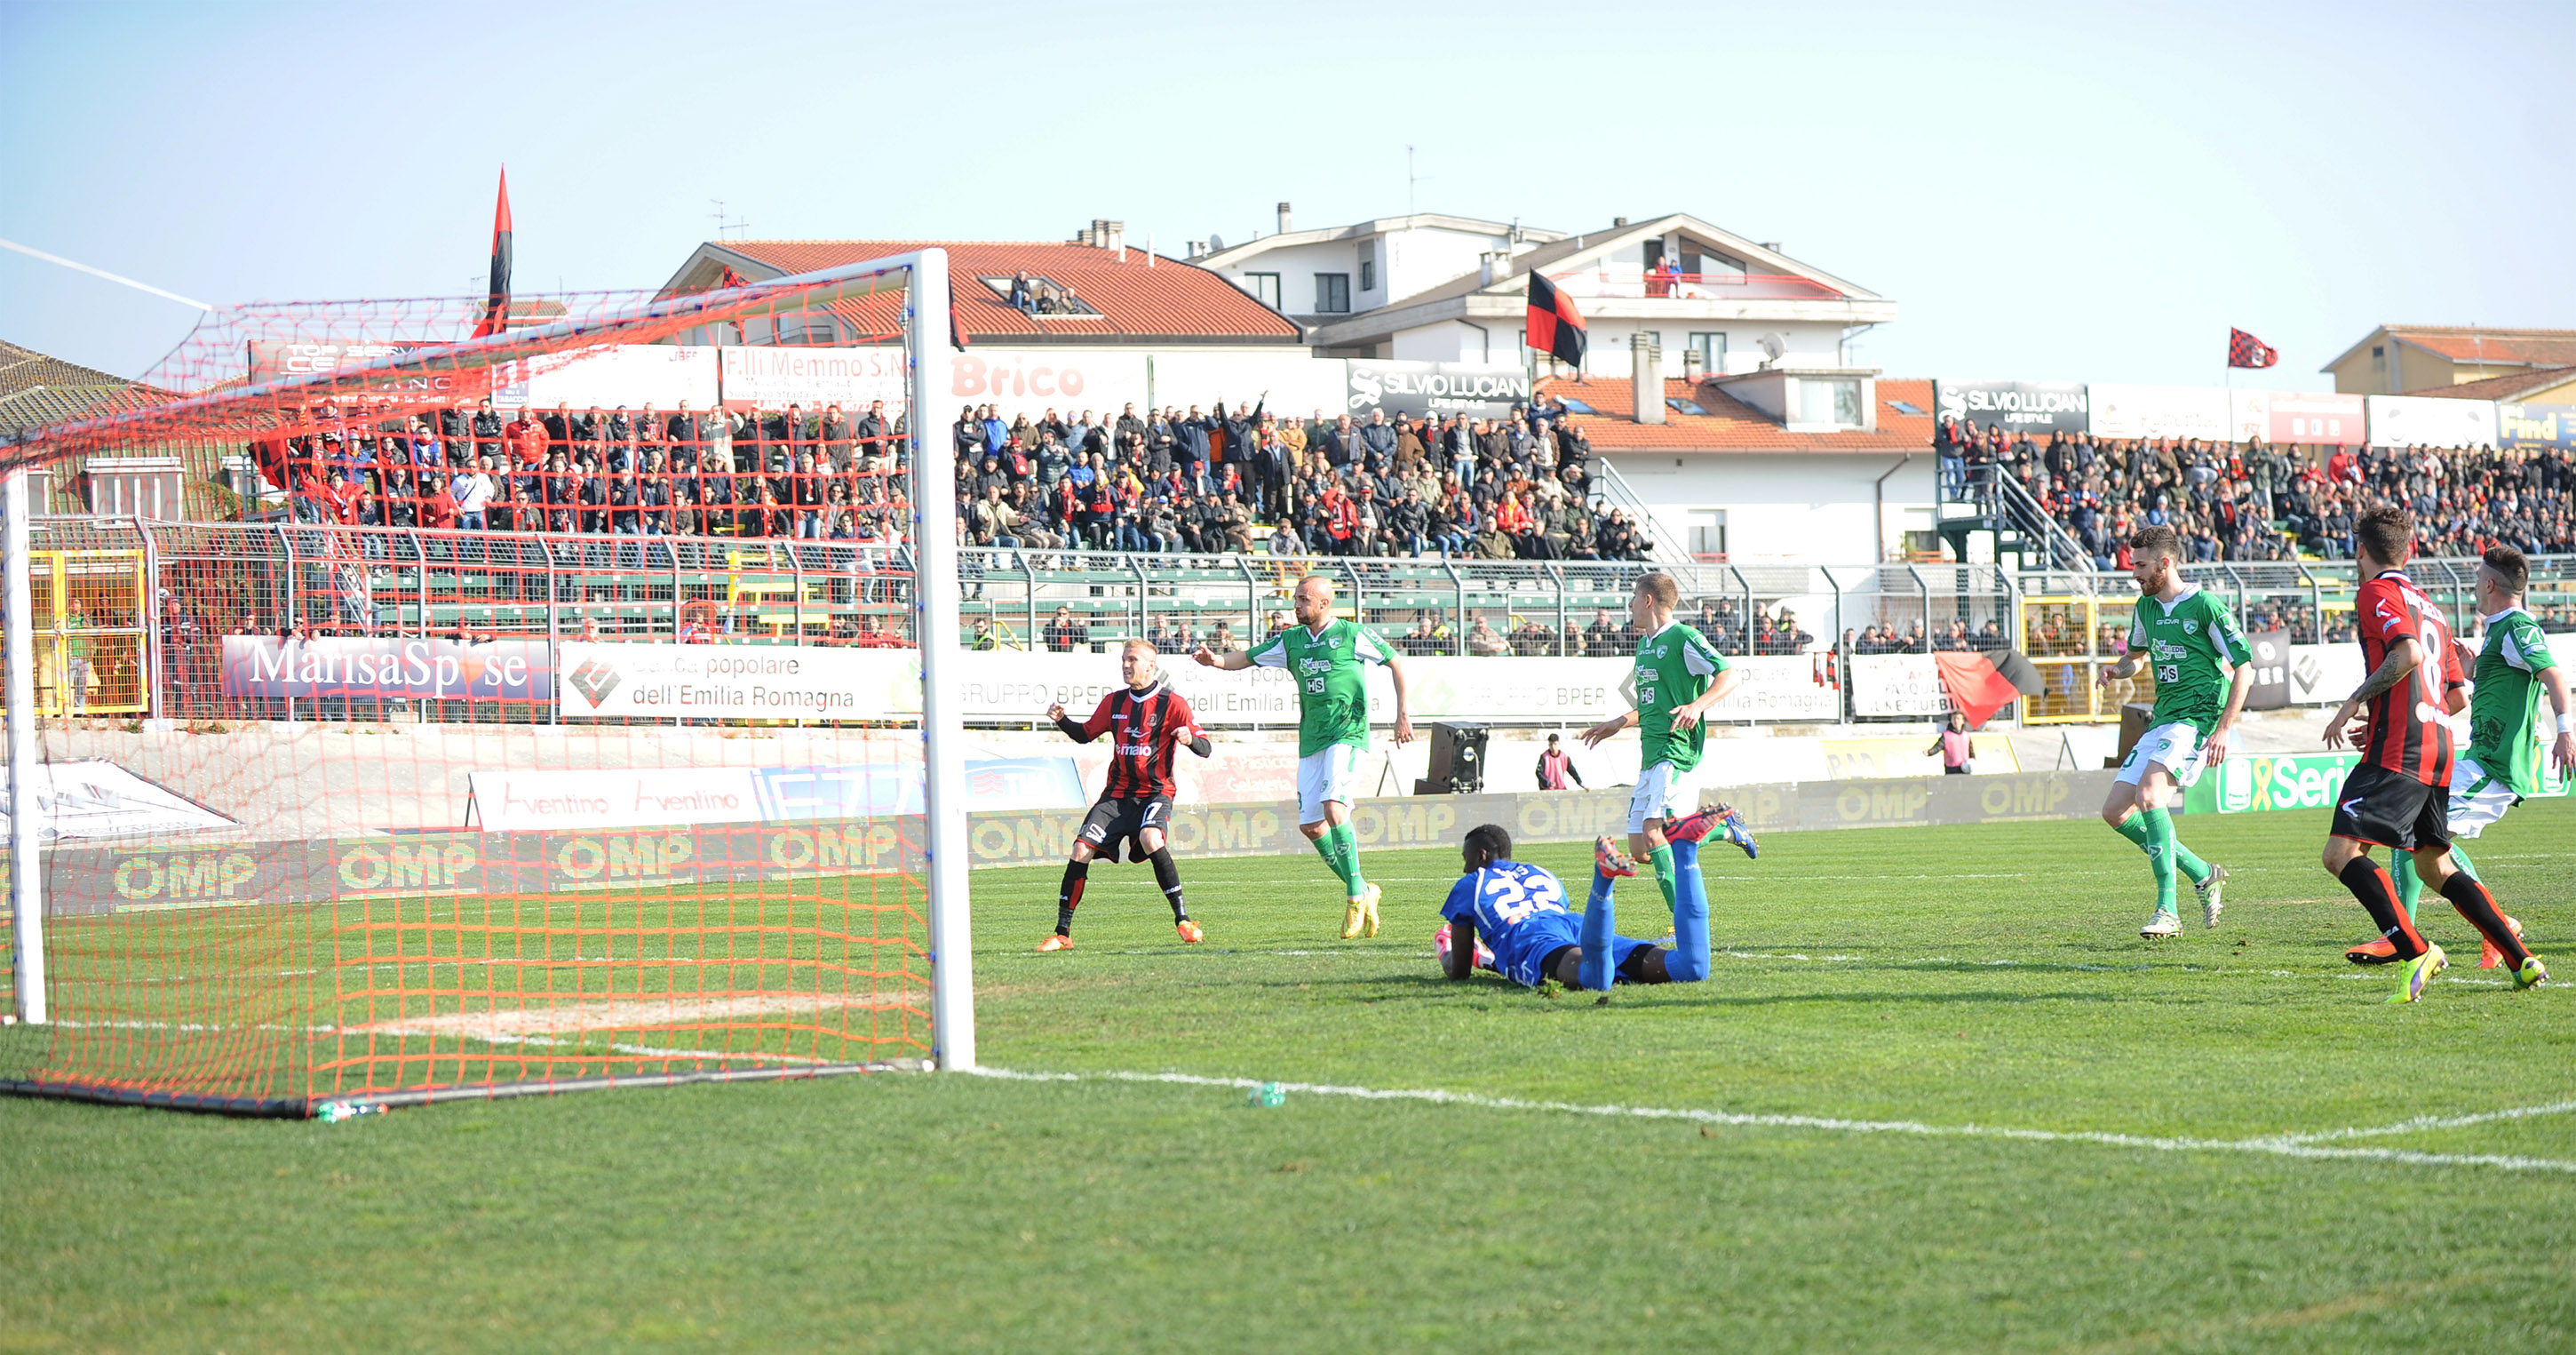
{"x":89,"y":614}
{"x":2070,"y":639}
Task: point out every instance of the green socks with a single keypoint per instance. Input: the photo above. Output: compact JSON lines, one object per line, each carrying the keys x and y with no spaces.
{"x":1667,"y":876}
{"x":2141,"y":828}
{"x":1340,"y":848}
{"x":2408,"y":886}
{"x":2190,"y":865}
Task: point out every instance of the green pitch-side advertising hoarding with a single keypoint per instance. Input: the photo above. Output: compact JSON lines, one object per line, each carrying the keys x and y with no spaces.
{"x":2246,"y":783}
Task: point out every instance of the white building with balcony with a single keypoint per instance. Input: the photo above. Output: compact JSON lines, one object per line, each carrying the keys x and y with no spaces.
{"x":1454,"y":289}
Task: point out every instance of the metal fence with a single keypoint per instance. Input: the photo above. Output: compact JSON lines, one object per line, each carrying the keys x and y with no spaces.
{"x":129,"y":614}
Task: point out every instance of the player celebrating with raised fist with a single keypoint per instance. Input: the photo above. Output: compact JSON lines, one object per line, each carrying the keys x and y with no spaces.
{"x":1679,"y":675}
{"x":1329,"y":660}
{"x":1145,"y":720}
{"x":2398,"y":797}
{"x":2186,"y":636}
{"x":2508,"y":675}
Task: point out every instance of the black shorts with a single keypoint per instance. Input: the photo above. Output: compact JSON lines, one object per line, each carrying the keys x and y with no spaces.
{"x":1115,"y":821}
{"x":1631,"y":970}
{"x":2392,"y":809}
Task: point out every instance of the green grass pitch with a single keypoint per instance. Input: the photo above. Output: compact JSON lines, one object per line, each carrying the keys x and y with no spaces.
{"x":1984,"y":977}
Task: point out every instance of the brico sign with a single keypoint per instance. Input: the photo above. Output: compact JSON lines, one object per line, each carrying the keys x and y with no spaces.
{"x":972,"y":378}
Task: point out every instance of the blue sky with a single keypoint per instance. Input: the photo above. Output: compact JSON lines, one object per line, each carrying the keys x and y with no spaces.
{"x":2048,"y":192}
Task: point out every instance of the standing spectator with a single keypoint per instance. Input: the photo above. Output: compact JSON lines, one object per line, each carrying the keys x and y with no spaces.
{"x":1556,"y":768}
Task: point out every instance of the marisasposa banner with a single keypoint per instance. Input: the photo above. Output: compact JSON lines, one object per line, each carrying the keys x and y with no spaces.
{"x":391,"y":668}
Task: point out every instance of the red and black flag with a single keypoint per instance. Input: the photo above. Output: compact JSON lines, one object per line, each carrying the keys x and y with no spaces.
{"x":2244,"y":350}
{"x":728,"y":282}
{"x":496,"y":308}
{"x":1554,"y":324}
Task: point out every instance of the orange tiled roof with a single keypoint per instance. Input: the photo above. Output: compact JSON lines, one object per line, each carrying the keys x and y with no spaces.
{"x":1169,"y":300}
{"x":2504,"y":387}
{"x":1730,"y":425}
{"x":2529,"y":347}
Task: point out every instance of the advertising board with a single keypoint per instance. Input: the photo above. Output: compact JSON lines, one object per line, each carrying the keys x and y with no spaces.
{"x":816,"y":378}
{"x":95,"y":798}
{"x":2430,"y":421}
{"x":1476,"y":390}
{"x":2336,"y":420}
{"x":390,"y":668}
{"x":2160,"y":412}
{"x":2035,"y":407}
{"x":2535,"y":426}
{"x":633,"y":375}
{"x":1898,"y":684}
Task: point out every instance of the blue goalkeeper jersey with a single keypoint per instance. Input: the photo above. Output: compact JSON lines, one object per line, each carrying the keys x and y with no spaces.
{"x":1519,"y":912}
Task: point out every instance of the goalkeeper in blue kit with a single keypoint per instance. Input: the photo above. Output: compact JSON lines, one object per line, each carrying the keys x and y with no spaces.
{"x":1510,"y":917}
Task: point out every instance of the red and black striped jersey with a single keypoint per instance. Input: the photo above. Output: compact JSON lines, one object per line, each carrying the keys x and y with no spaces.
{"x":1145,"y":729}
{"x":2410,"y":732}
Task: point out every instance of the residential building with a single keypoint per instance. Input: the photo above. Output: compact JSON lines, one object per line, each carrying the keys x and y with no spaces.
{"x":2422,"y":359}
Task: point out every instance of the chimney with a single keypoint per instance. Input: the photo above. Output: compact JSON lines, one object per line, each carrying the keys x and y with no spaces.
{"x":1694,"y":365}
{"x":1197,"y":249}
{"x":1283,"y":218}
{"x":1490,"y":265}
{"x":1083,"y":236}
{"x":1617,"y":222}
{"x":1646,"y":356}
{"x":1110,"y":235}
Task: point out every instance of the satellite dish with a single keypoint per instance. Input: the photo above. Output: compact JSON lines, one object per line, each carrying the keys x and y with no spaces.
{"x":1774,"y":345}
{"x":1214,"y":244}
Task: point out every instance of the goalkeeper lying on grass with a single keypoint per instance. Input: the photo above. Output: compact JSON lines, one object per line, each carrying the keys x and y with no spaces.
{"x":1510,"y":917}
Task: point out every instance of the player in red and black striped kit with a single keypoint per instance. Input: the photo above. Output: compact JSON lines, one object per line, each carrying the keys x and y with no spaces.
{"x":1146,"y":722}
{"x":2399,"y":796}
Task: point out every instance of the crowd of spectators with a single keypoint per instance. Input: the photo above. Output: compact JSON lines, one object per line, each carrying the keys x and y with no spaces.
{"x":819,"y":475}
{"x":2259,"y":501}
{"x":1213,"y":480}
{"x":1216,"y":479}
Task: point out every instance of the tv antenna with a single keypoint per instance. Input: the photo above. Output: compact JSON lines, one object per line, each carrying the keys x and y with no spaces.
{"x":725,"y":223}
{"x":1410,"y":179}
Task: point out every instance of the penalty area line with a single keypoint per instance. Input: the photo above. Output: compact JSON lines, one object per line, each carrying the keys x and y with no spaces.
{"x":2293,"y":1146}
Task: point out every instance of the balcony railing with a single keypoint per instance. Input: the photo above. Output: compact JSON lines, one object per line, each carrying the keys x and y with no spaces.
{"x":1636,"y":283}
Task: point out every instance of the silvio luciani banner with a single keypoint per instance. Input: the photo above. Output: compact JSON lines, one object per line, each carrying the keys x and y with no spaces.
{"x":390,"y":669}
{"x":2034,"y":407}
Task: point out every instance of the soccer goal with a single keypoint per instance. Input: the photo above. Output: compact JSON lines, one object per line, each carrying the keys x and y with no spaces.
{"x":541,"y":693}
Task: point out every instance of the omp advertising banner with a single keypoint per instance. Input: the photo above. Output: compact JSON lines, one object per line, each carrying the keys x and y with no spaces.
{"x":2161,"y":412}
{"x":1043,"y":838}
{"x":1475,"y":390}
{"x":388,"y":668}
{"x":2271,"y":689}
{"x":774,"y":377}
{"x":2536,"y":426}
{"x":2430,"y":421}
{"x":2307,"y":417}
{"x":633,"y":375}
{"x":2034,"y":407}
{"x":1898,"y":684}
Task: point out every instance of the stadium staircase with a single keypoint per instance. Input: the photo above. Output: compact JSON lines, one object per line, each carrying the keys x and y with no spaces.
{"x":2026,"y":537}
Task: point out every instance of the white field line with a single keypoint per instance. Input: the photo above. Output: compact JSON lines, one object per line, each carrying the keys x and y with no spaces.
{"x":2295,"y":1146}
{"x":2425,"y":1123}
{"x":583,"y":1017}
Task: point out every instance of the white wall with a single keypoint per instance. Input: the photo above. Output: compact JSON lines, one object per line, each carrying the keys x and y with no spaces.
{"x":1809,"y":345}
{"x":1811,"y":508}
{"x":1408,"y":262}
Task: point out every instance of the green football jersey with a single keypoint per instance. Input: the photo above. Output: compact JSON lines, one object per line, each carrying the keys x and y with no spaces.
{"x":2184,"y":642}
{"x":1330,"y":667}
{"x":1675,"y":665}
{"x":2504,"y":736}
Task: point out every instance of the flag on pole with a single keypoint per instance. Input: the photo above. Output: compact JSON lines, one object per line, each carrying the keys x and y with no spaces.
{"x":496,"y":307}
{"x":2244,"y":350}
{"x":1555,"y":326}
{"x":728,"y":282}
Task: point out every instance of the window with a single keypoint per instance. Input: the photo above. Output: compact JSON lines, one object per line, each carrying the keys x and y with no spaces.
{"x":1712,"y":352}
{"x":1368,"y":265}
{"x":1264,"y":288}
{"x":1574,"y":406}
{"x":1332,"y":293}
{"x":1906,"y":407}
{"x":1044,"y":295}
{"x":1682,"y":406}
{"x":1712,"y":267}
{"x":1829,"y":401}
{"x":1708,"y":534}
